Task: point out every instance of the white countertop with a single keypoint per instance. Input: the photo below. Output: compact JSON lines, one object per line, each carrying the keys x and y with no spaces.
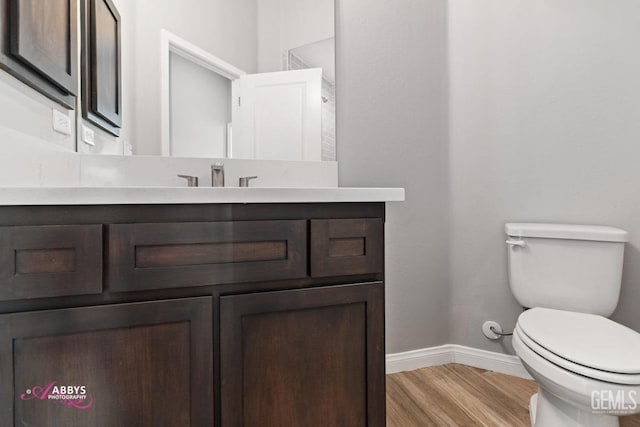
{"x":32,"y":196}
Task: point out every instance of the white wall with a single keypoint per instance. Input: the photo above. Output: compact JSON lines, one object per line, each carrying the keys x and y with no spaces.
{"x":545,"y":126}
{"x":287,"y":24}
{"x":29,"y":161}
{"x":26,"y":161}
{"x":200,"y":110}
{"x":392,"y":131}
{"x":24,"y":110}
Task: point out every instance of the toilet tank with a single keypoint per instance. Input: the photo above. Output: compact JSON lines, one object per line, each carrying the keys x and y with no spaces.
{"x":565,"y":266}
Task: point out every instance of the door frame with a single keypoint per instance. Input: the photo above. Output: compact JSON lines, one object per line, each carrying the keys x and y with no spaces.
{"x":171,"y":43}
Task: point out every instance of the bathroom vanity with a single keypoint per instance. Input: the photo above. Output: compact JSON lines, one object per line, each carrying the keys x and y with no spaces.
{"x":182,"y":312}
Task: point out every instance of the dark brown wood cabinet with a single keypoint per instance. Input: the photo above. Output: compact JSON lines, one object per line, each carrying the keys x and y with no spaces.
{"x":142,"y":364}
{"x":155,"y":256}
{"x":39,"y":45}
{"x":346,"y":246}
{"x":307,"y":357}
{"x":39,"y":42}
{"x":192,"y":315}
{"x":50,"y":261}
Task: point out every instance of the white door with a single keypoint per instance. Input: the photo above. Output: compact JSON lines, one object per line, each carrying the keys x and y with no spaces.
{"x":277,"y":116}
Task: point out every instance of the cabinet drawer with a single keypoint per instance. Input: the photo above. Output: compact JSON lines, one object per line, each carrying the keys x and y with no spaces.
{"x":346,"y":246}
{"x":158,"y":256}
{"x":50,"y":261}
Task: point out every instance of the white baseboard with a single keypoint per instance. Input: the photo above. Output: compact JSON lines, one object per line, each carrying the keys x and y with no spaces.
{"x":453,"y":353}
{"x":416,"y":359}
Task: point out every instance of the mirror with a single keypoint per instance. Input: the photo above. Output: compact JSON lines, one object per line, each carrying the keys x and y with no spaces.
{"x":246,"y":79}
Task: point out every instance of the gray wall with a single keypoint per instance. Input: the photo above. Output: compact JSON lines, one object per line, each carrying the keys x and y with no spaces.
{"x":539,"y":121}
{"x":392,"y":131}
{"x":545,"y":126}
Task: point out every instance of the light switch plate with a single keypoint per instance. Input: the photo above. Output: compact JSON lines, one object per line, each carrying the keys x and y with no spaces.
{"x":61,"y":122}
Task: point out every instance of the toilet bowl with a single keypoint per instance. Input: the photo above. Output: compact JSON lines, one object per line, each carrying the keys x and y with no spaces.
{"x":587,"y":366}
{"x":579,"y":384}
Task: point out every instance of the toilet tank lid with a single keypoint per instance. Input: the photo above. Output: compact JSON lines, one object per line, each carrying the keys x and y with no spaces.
{"x":566,"y":231}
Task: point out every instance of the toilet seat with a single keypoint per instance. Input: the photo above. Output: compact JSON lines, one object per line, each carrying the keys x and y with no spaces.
{"x":586,"y":344}
{"x":574,"y":389}
{"x":596,"y":374}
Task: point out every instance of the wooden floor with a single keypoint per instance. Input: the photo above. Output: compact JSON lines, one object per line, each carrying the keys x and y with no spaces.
{"x":458,"y":395}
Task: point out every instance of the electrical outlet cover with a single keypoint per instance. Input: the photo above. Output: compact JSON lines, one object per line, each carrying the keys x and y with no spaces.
{"x":88,"y":136}
{"x":61,"y":122}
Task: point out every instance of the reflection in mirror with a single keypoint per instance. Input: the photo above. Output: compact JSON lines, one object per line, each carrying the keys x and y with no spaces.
{"x":200,"y":110}
{"x":246,"y":79}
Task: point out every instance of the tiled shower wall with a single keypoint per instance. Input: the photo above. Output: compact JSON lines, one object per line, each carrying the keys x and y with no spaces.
{"x":328,"y":109}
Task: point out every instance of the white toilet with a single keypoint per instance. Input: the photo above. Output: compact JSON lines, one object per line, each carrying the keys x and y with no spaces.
{"x":587,"y":366}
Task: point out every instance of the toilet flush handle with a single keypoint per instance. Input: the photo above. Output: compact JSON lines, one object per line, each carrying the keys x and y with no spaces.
{"x":518,"y":243}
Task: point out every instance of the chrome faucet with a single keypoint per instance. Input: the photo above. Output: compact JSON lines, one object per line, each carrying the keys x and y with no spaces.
{"x":192,"y":181}
{"x":244,"y":181}
{"x":217,"y":175}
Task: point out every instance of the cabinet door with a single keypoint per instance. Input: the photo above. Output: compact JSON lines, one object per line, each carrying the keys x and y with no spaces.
{"x":141,"y":364}
{"x":101,"y":65}
{"x":39,"y":45}
{"x":45,"y":36}
{"x":310,"y":357}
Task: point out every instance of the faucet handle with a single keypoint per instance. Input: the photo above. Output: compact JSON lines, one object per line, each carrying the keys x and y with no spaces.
{"x":192,"y":181}
{"x":244,"y":181}
{"x":217,"y":175}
